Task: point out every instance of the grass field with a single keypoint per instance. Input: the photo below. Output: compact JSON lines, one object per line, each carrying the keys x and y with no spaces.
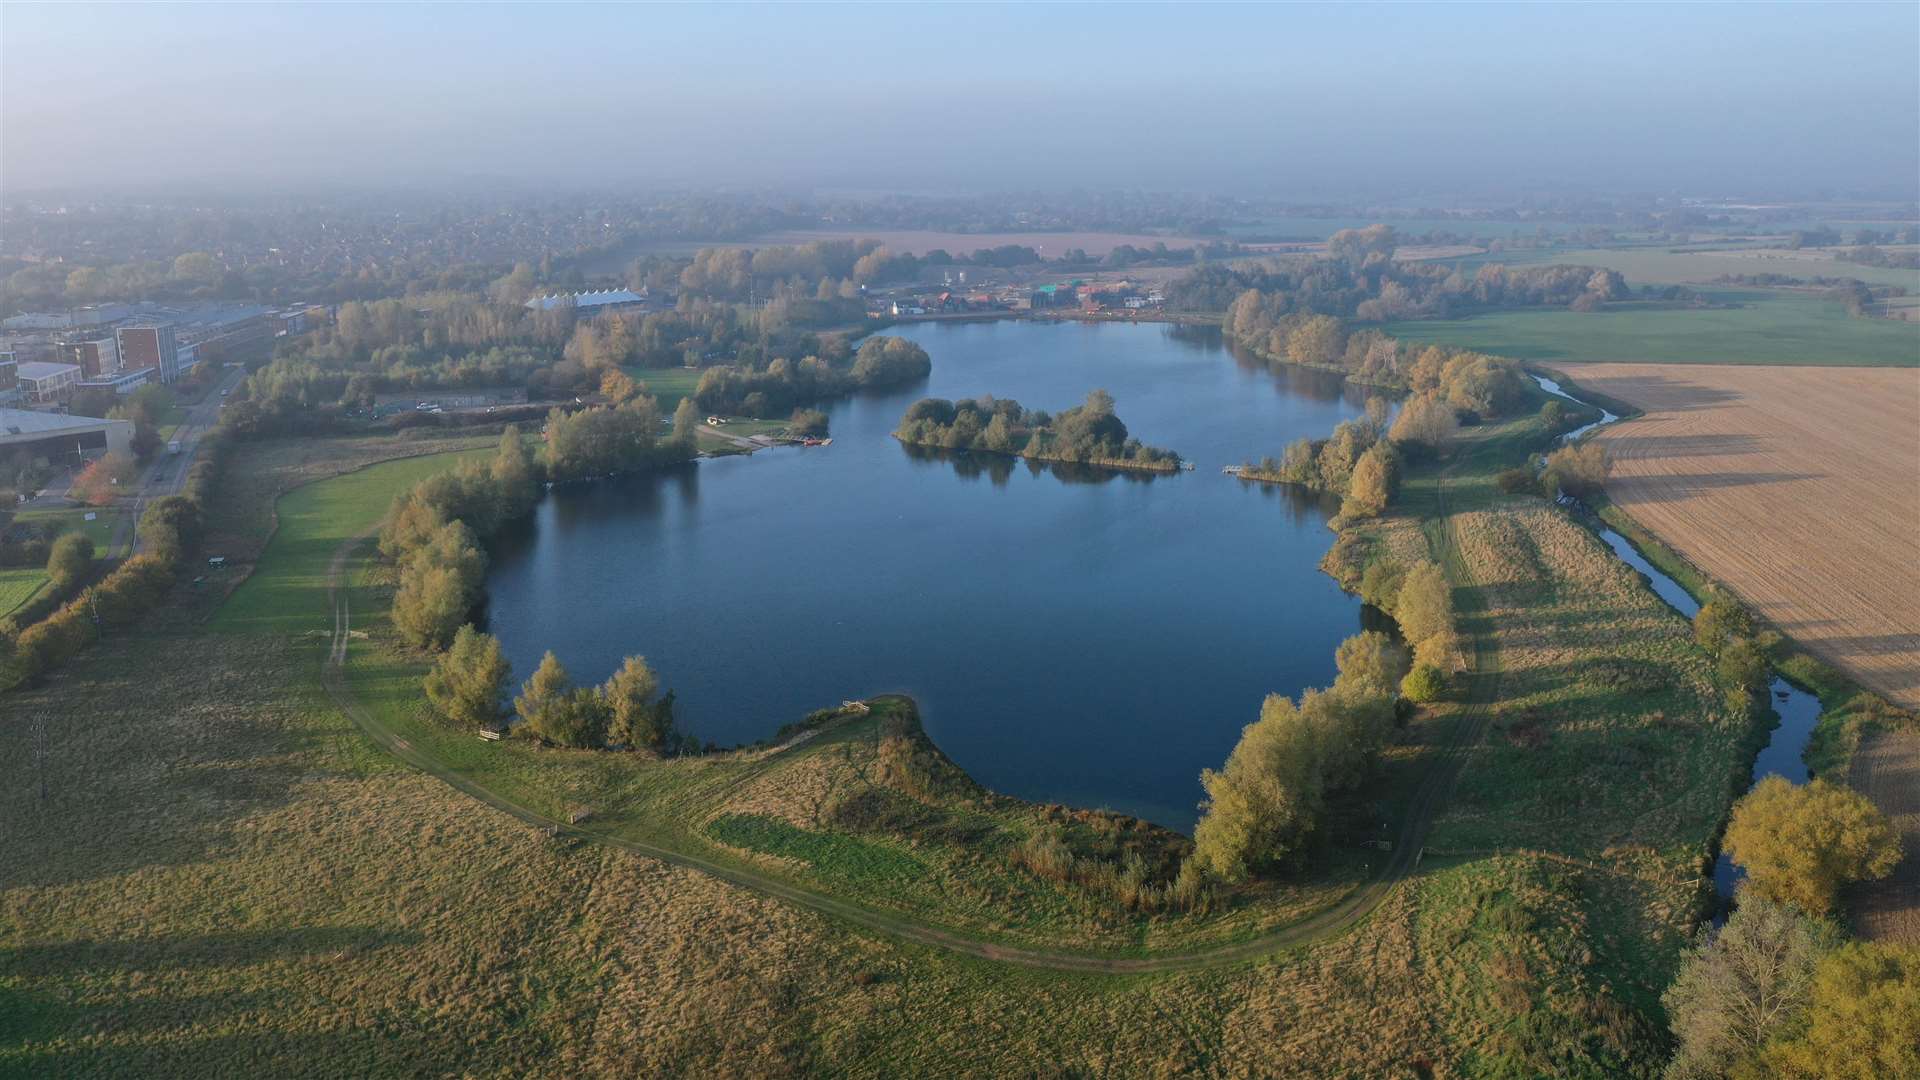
{"x":1770,"y":328}
{"x":99,"y":530}
{"x":667,"y":385}
{"x":18,"y":585}
{"x":226,"y":878}
{"x":1795,"y":487}
{"x":286,"y":591}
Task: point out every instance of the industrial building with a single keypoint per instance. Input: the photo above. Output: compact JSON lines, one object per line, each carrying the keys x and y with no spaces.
{"x":152,"y":345}
{"x":42,"y":383}
{"x":120,"y":382}
{"x":61,"y":438}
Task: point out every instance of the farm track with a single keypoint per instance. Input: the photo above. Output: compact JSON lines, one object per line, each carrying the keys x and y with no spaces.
{"x":1435,"y":788}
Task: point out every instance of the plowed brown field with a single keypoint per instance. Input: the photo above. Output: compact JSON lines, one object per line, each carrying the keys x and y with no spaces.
{"x":1887,"y":769}
{"x":1797,"y":487}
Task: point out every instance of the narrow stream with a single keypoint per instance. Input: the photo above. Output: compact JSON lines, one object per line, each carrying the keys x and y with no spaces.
{"x":1797,"y":711}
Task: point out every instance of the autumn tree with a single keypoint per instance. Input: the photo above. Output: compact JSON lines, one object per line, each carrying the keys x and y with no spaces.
{"x":515,"y":474}
{"x":1741,"y":986}
{"x":1862,"y":1020}
{"x":1261,"y":805}
{"x":634,"y":716}
{"x":552,"y":708}
{"x":686,"y":426}
{"x":618,"y":387}
{"x":1271,"y":794}
{"x":1579,"y":471}
{"x":1424,"y":606}
{"x":807,"y":422}
{"x":467,"y":681}
{"x":1720,"y":619}
{"x":103,"y":478}
{"x":1427,"y":423}
{"x":69,"y":561}
{"x":1800,"y":843}
{"x":1424,"y":683}
{"x":1371,"y":662}
{"x":429,"y":606}
{"x":1742,"y":666}
{"x":1318,"y":340}
{"x":1373,"y":484}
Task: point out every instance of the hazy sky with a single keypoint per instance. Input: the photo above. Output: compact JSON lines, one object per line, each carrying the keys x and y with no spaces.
{"x":1283,"y":100}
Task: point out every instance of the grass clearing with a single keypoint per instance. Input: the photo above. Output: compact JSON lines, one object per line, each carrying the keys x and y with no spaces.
{"x":667,"y":385}
{"x":99,"y":530}
{"x":1769,"y":328}
{"x":286,"y":593}
{"x":19,"y":585}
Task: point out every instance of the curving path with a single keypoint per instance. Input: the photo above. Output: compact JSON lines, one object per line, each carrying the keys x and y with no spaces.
{"x":1342,"y":916}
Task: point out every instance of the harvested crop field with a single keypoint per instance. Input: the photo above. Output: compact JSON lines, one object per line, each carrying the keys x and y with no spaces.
{"x":1794,"y":486}
{"x":1887,"y":769}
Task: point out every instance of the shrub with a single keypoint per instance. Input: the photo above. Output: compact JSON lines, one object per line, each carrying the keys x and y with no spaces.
{"x":1424,"y":683}
{"x":70,"y":561}
{"x":808,"y":422}
{"x":1516,"y":481}
{"x":1579,"y":471}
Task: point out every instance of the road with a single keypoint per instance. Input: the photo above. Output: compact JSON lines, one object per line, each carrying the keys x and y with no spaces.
{"x":168,"y":473}
{"x":1435,"y":787}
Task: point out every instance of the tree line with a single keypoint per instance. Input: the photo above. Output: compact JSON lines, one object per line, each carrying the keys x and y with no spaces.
{"x":781,"y":386}
{"x":1090,"y":433}
{"x":1357,"y":462}
{"x":1360,"y":279}
{"x":433,"y":534}
{"x":450,"y":342}
{"x":169,"y":530}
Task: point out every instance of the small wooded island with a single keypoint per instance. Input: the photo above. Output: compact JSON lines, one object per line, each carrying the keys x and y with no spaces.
{"x":1087,"y":434}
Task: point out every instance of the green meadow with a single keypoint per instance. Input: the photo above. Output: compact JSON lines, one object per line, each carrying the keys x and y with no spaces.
{"x":1767,"y":327}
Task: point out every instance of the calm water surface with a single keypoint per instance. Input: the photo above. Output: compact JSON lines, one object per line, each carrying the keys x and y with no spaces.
{"x":1088,"y":638}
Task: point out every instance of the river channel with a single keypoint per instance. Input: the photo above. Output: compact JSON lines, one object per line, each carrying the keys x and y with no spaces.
{"x":1795,"y":710}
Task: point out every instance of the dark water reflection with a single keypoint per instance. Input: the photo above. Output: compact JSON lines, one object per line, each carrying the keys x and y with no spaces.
{"x":1080,"y":635}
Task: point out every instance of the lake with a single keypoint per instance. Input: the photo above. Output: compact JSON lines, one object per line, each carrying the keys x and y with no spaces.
{"x":1075,"y":636}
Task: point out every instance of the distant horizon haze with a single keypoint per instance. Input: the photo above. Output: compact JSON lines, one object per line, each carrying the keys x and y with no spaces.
{"x":1309,"y":100}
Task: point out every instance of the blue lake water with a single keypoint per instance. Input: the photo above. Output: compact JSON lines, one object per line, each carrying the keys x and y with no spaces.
{"x":1092,"y":638}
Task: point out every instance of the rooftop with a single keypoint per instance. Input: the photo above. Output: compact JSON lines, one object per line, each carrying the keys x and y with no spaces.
{"x":40,"y":369}
{"x":587,"y":299}
{"x":28,"y":422}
